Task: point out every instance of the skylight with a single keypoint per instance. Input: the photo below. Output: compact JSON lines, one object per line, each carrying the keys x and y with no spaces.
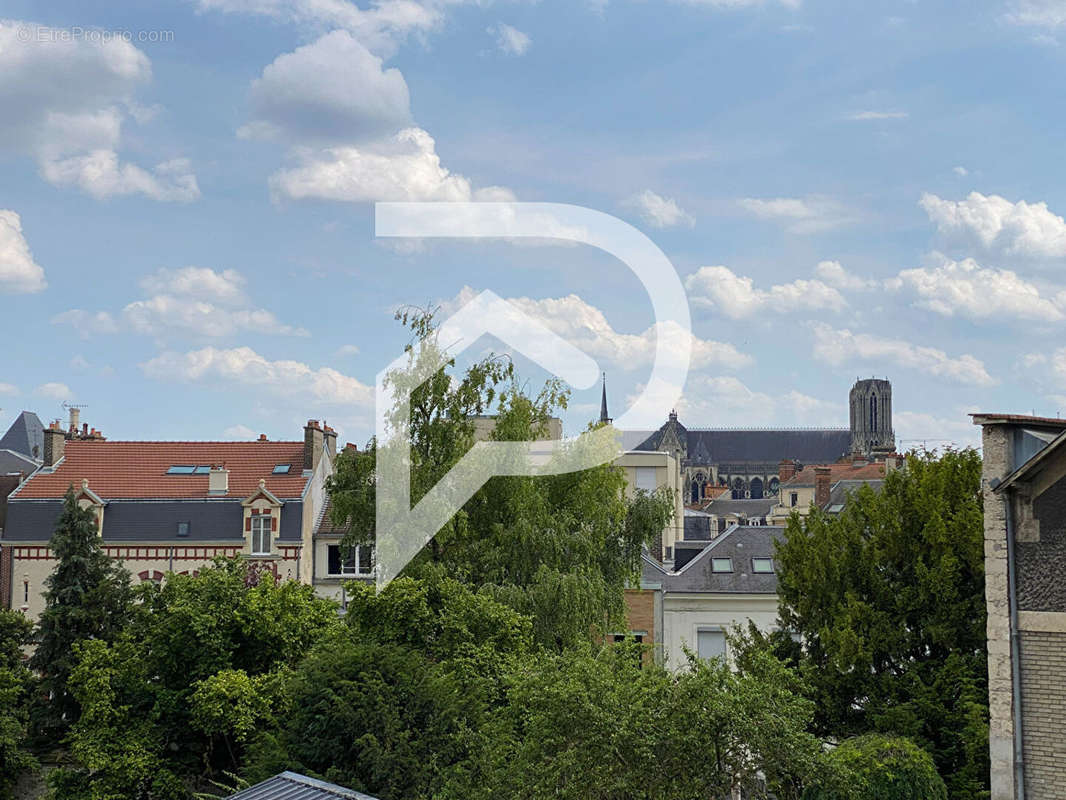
{"x":762,"y":565}
{"x":721,"y":565}
{"x":181,"y":469}
{"x":282,"y":469}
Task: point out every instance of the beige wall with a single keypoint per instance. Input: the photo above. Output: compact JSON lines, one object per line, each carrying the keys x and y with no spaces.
{"x":780,"y":513}
{"x":685,"y":614}
{"x":667,"y":475}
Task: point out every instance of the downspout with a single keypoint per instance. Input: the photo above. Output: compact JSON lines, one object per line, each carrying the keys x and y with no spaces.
{"x":1015,"y":654}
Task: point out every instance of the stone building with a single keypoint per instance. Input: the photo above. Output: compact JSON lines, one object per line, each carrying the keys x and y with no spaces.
{"x":748,"y":462}
{"x":1024,"y":498}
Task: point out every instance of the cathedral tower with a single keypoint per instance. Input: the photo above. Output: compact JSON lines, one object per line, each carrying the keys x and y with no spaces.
{"x":871,"y":417}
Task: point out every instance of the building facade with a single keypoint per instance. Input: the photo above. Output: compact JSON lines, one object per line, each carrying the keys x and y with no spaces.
{"x":171,"y":506}
{"x":1024,"y":499}
{"x":748,"y":462}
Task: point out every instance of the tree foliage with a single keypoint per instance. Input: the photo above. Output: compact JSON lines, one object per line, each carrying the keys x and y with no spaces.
{"x":16,"y":683}
{"x":877,"y":767}
{"x":889,"y":598}
{"x":87,"y":596}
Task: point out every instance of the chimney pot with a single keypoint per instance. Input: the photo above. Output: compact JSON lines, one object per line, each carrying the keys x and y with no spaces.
{"x":262,"y":437}
{"x":75,"y":419}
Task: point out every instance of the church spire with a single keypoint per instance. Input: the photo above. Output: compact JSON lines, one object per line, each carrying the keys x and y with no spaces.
{"x":603,"y":402}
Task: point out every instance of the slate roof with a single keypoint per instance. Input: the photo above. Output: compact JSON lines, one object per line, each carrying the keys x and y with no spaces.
{"x":746,"y":508}
{"x":740,"y":543}
{"x":129,"y":470}
{"x":838,"y":495}
{"x":25,"y":436}
{"x":808,"y":446}
{"x":697,"y":526}
{"x":12,"y":462}
{"x":292,"y":786}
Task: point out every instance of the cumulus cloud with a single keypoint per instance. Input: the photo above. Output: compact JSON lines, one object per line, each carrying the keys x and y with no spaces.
{"x":195,"y":302}
{"x":962,"y":172}
{"x":1021,"y":228}
{"x":19,"y":273}
{"x":729,"y":400}
{"x":8,"y":388}
{"x":967,"y":289}
{"x":586,"y":327}
{"x":658,"y":211}
{"x":240,"y":432}
{"x":510,"y":40}
{"x":65,"y":100}
{"x":834,"y":274}
{"x":735,"y":296}
{"x":803,"y":215}
{"x":917,"y":428}
{"x":403,"y":167}
{"x":55,"y":391}
{"x":243,"y":366}
{"x":838,"y":347}
{"x":332,"y":90}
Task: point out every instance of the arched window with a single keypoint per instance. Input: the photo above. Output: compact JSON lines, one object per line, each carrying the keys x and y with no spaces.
{"x":756,"y":488}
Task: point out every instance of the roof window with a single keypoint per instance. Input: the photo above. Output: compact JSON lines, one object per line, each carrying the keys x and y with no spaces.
{"x":282,"y":469}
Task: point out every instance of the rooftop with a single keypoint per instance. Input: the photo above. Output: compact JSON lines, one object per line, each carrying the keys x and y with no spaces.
{"x":135,"y":470}
{"x":839,"y":471}
{"x":292,"y":786}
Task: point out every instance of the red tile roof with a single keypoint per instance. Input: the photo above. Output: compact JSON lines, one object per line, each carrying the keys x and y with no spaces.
{"x":838,"y":472}
{"x":138,"y":469}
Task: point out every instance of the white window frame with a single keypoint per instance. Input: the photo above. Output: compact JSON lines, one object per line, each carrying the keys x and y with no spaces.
{"x":714,"y":565}
{"x":755,"y":571}
{"x":354,"y":569}
{"x":262,"y":526}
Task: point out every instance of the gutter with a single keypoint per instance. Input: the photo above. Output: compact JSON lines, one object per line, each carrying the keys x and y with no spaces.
{"x":1015,"y":654}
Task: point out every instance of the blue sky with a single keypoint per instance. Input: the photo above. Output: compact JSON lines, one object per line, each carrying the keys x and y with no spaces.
{"x":845,"y":189}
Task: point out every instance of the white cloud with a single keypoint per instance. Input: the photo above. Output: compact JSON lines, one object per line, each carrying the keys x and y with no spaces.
{"x":915,"y":429}
{"x":195,"y":302}
{"x":659,"y":211}
{"x":348,"y":350}
{"x":586,"y":327}
{"x":962,"y":172}
{"x":731,"y":4}
{"x":731,"y":402}
{"x":865,"y":116}
{"x":834,"y":274}
{"x":510,"y":40}
{"x":735,"y":296}
{"x":19,"y":273}
{"x":240,"y":432}
{"x":838,"y":347}
{"x":243,"y":366}
{"x":1040,"y":13}
{"x":332,"y":90}
{"x":968,"y":289}
{"x":8,"y":388}
{"x":65,"y":99}
{"x":405,"y":167}
{"x":1027,"y":229}
{"x":56,"y":391}
{"x":803,"y":215}
{"x":87,"y":323}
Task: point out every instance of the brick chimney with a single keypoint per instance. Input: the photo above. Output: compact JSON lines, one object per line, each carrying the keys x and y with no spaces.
{"x":822,"y":478}
{"x":55,"y":440}
{"x":314,"y":440}
{"x":329,"y":438}
{"x":786,"y":470}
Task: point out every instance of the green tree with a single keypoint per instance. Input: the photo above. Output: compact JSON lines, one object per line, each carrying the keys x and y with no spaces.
{"x":87,"y":596}
{"x":877,"y":767}
{"x":559,"y":549}
{"x":15,"y":686}
{"x":200,"y":666}
{"x":889,"y":598}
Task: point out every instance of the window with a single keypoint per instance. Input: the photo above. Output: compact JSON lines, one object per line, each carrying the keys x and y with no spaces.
{"x":710,"y":644}
{"x":183,"y":529}
{"x":203,"y":469}
{"x":181,"y":469}
{"x":762,"y":565}
{"x":621,"y":637}
{"x":793,"y":498}
{"x":646,"y":478}
{"x":282,"y":469}
{"x":359,"y":560}
{"x":26,"y":592}
{"x":261,"y":534}
{"x":721,"y":565}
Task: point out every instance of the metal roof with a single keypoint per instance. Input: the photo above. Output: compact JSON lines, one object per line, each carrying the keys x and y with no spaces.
{"x":292,"y":786}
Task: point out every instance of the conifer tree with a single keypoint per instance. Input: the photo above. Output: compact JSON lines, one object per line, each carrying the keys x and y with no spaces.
{"x":87,"y":596}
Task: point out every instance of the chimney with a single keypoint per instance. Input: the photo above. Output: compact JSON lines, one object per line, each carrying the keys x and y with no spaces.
{"x":329,"y":438}
{"x":822,"y":477}
{"x":75,"y":419}
{"x":891,"y":464}
{"x":786,"y":470}
{"x":55,"y":440}
{"x":218,"y":481}
{"x":314,"y":440}
{"x":263,"y":437}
